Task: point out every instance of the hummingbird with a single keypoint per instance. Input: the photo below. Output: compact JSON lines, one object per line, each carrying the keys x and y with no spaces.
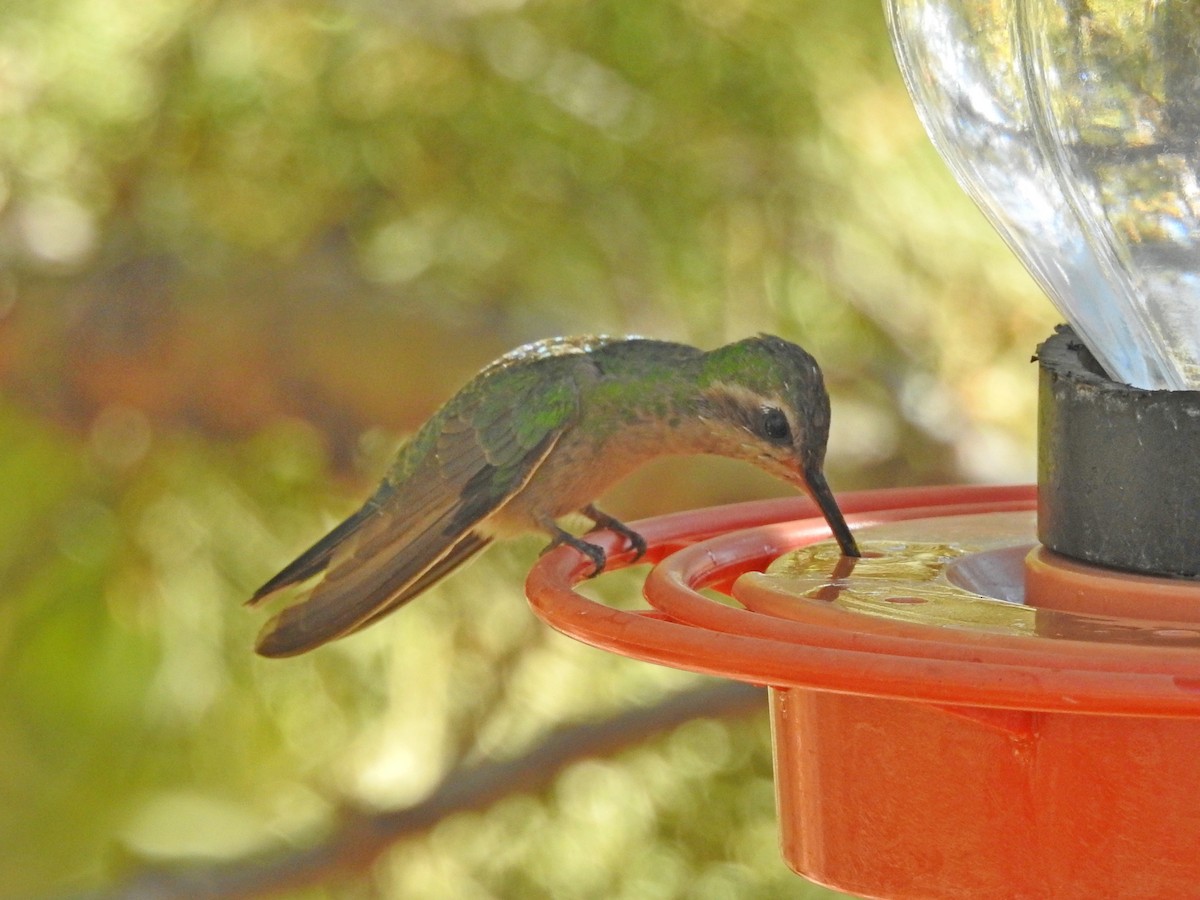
{"x":539,"y":434}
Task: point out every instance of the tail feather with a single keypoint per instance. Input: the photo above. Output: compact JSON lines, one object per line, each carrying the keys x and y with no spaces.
{"x":471,"y":544}
{"x":362,"y":594}
{"x":315,"y":559}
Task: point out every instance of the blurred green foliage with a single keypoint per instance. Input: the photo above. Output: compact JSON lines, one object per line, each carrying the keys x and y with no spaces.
{"x":244,"y":247}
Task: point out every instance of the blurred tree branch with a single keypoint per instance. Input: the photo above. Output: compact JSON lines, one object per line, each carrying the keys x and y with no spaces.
{"x":360,"y":836}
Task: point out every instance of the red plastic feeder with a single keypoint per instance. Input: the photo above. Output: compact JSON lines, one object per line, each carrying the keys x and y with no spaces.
{"x":959,"y":714}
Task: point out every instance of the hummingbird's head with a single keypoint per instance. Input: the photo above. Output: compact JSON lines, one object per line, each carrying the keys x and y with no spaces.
{"x":767,"y":399}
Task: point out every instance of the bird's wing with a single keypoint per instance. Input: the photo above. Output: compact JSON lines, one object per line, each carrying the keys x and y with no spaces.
{"x":470,"y":459}
{"x":314,"y":560}
{"x":470,"y":544}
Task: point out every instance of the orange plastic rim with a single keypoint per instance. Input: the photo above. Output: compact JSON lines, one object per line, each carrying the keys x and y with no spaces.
{"x":829,"y":649}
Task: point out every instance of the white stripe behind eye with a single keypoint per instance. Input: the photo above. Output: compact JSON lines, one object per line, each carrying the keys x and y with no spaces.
{"x":747,"y":405}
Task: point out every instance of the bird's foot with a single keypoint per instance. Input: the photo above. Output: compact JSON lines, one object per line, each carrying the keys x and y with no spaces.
{"x":604,"y":520}
{"x":591,"y":551}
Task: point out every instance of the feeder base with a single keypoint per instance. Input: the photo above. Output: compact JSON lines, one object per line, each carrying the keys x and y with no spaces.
{"x":869,"y":784}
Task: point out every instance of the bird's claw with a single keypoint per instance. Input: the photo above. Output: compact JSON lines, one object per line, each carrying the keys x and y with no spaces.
{"x":635,"y":540}
{"x":598,"y":557}
{"x":604,"y":520}
{"x":593,"y":552}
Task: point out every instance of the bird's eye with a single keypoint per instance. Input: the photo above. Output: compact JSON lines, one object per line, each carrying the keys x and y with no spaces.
{"x":775,"y":425}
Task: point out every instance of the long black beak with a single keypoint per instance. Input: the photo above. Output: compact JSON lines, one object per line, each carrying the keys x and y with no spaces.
{"x":818,"y":489}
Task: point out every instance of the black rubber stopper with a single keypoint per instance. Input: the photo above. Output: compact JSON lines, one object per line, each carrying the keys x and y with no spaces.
{"x":1118,"y":466}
